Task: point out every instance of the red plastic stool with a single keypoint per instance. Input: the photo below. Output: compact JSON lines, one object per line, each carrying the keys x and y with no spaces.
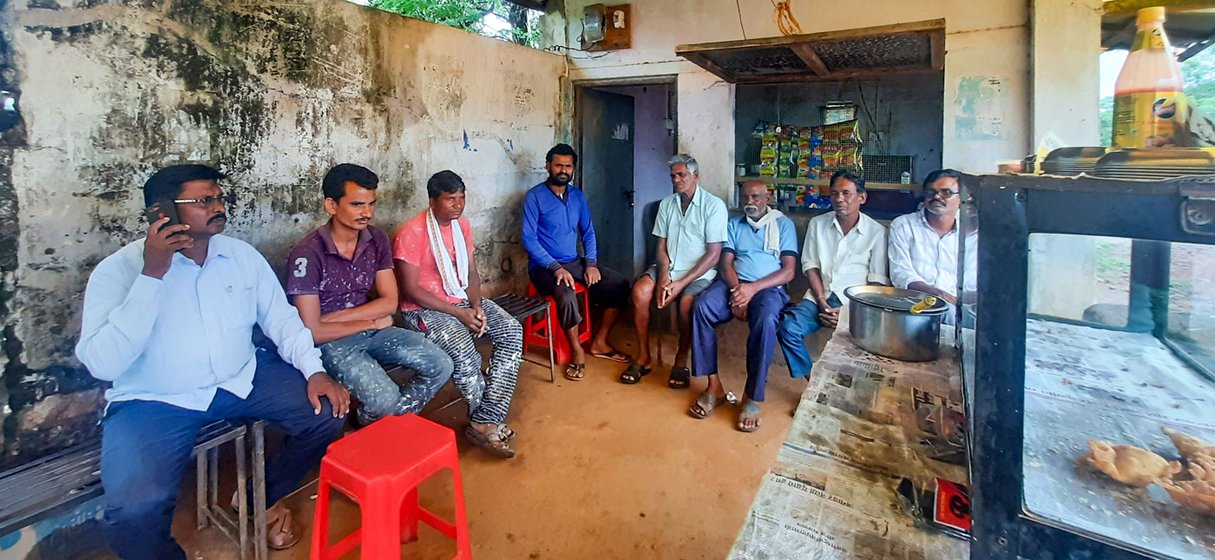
{"x":535,"y":332}
{"x":380,"y":467}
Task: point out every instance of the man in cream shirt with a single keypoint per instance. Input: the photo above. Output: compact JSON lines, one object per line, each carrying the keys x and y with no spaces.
{"x":924,"y":244}
{"x":691,"y":228}
{"x":842,"y":249}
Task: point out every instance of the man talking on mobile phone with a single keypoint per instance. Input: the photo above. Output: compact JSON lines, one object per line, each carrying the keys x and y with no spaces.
{"x":843,"y":248}
{"x":168,"y":320}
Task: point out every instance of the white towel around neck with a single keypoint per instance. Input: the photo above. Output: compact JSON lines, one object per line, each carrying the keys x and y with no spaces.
{"x":455,"y":280}
{"x":771,"y":230}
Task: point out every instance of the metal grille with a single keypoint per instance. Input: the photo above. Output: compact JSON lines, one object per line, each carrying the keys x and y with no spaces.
{"x":887,"y":169}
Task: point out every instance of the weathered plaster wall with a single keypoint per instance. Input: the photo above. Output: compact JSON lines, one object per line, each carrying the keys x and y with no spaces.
{"x":986,"y":106}
{"x":272,"y":92}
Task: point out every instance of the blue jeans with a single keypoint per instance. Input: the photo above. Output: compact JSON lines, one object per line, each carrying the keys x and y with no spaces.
{"x":712,"y":308}
{"x":146,"y":445}
{"x":355,"y":362}
{"x":796,"y":322}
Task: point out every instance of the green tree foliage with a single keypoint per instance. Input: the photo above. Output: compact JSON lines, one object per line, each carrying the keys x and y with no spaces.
{"x":512,"y":22}
{"x":1200,"y":80}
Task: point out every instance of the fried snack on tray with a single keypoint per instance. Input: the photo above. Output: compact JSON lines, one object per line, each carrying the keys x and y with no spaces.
{"x":1129,"y":465}
{"x":1194,"y":495}
{"x":1188,"y":445}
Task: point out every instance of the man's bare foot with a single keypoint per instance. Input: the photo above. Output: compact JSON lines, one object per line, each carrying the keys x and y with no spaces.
{"x":748,"y":417}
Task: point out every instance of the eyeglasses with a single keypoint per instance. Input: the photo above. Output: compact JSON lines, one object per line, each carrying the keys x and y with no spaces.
{"x":944,"y":194}
{"x":208,"y":201}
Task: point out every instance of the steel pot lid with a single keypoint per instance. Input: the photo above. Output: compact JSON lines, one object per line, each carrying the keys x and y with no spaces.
{"x":895,"y":300}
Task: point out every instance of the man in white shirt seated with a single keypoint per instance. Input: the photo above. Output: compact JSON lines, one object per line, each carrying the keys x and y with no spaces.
{"x":844,"y":248}
{"x":923,"y":245}
{"x":168,"y":320}
{"x":691,"y":228}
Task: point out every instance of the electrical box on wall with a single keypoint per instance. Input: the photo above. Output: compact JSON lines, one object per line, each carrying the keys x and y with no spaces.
{"x":606,"y":28}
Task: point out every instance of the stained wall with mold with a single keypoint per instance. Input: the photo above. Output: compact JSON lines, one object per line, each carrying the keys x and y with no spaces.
{"x":272,"y":92}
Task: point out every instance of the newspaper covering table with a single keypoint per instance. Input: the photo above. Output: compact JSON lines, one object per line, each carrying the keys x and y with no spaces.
{"x":864,"y":423}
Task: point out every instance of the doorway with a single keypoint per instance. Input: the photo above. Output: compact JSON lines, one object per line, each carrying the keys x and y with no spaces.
{"x":624,"y":134}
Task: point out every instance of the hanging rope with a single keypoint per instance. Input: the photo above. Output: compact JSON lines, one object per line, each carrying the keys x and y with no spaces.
{"x":784,"y":18}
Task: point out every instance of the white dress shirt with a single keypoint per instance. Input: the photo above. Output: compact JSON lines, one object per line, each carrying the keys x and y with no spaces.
{"x":918,"y":254}
{"x":844,"y":261}
{"x":179,"y":339}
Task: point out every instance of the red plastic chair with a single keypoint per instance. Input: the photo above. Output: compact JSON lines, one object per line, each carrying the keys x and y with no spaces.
{"x":536,"y":332}
{"x":380,"y":467}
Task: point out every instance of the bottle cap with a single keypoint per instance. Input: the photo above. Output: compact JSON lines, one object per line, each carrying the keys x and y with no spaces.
{"x":1150,"y":15}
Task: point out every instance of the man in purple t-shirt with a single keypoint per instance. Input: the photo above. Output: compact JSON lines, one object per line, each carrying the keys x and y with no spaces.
{"x":331,"y":275}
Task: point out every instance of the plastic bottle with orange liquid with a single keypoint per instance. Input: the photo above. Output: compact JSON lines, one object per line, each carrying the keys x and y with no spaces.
{"x":1149,"y":103}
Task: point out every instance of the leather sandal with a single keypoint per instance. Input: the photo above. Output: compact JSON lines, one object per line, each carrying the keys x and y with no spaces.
{"x":494,"y":442}
{"x":281,"y":531}
{"x":634,"y":373}
{"x":704,"y":405}
{"x":575,"y":372}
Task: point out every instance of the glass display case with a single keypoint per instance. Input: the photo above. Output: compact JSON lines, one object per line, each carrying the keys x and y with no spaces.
{"x":1088,"y":375}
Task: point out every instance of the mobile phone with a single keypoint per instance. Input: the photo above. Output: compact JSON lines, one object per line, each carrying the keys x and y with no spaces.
{"x":160,"y":210}
{"x":833,"y":301}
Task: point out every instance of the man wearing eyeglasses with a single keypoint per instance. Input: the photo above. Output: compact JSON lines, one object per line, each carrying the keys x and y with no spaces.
{"x":844,"y":248}
{"x":168,"y":320}
{"x":924,"y":245}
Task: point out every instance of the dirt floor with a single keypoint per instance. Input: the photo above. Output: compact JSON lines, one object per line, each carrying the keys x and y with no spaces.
{"x":605,"y":470}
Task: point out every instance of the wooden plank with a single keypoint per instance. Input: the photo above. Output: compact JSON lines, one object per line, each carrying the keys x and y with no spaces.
{"x":806,"y":52}
{"x":869,"y":185}
{"x":936,"y":44}
{"x":834,"y":76}
{"x":897,"y":29}
{"x":1128,"y":7}
{"x":709,"y":65}
{"x":532,"y":4}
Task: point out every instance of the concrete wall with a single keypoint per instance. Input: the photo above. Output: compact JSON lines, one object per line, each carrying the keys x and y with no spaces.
{"x":1066,"y":44}
{"x":899,"y":115}
{"x":987,"y":68}
{"x":272,"y":92}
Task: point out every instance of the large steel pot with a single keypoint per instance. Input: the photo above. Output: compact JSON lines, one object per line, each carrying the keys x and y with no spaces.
{"x":880,"y":321}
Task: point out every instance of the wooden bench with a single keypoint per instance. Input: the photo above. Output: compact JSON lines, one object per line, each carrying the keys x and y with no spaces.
{"x":58,"y":482}
{"x":522,"y":307}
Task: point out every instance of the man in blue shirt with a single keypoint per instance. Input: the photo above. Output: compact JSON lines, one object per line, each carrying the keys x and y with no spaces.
{"x":168,"y":320}
{"x":555,"y":216}
{"x":759,"y":258}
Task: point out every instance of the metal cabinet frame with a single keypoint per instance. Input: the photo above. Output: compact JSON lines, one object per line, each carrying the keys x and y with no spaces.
{"x":1009,"y":209}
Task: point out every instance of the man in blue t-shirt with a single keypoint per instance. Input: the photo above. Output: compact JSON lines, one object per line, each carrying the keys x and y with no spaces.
{"x":555,"y":216}
{"x":758,"y":259}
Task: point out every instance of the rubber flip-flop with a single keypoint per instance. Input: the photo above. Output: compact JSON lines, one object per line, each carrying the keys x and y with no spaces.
{"x":707,"y":403}
{"x":680,"y":378}
{"x":575,"y":372}
{"x":495,"y":442}
{"x":614,"y":355}
{"x":634,"y":373}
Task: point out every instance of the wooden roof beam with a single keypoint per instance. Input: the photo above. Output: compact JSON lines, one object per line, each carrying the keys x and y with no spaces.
{"x":1128,"y":7}
{"x":806,"y":52}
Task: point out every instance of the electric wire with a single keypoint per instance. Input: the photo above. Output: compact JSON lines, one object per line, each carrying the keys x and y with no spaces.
{"x":786,"y":22}
{"x":738,"y":5}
